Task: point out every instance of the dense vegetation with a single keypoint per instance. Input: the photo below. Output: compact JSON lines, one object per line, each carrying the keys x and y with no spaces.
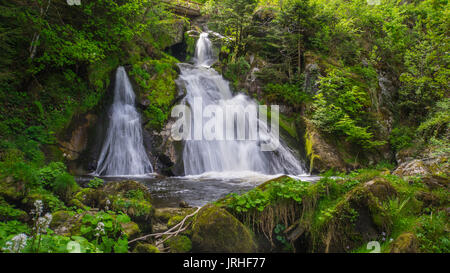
{"x":356,"y":45}
{"x":369,"y":81}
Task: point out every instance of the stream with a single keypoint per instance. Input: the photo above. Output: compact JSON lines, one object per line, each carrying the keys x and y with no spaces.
{"x":196,"y":190}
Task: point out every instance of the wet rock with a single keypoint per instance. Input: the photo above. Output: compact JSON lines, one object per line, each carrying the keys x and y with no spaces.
{"x":184,"y":204}
{"x":216,"y":230}
{"x":405,"y":243}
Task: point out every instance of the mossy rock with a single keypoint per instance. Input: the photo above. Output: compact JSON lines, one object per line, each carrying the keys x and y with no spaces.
{"x":145,"y":248}
{"x":180,"y":244}
{"x":89,"y":197}
{"x":131,"y":230}
{"x":124,"y":188}
{"x":381,"y":188}
{"x":60,"y":217}
{"x":216,"y":230}
{"x":357,"y":219}
{"x":140,"y":211}
{"x":163,"y":215}
{"x":405,"y":243}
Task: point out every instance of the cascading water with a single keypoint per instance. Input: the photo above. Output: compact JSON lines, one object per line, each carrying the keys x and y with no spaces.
{"x":123,"y":151}
{"x":201,"y":156}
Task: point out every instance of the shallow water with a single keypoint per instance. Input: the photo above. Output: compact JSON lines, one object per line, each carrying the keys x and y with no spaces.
{"x":196,"y":190}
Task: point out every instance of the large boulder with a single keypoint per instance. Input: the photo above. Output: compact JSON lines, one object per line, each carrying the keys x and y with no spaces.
{"x":216,"y":230}
{"x":435,"y":166}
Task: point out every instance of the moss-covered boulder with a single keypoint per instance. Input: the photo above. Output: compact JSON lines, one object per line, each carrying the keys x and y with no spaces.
{"x":145,"y":248}
{"x":358,"y":218}
{"x":179,"y":244}
{"x":405,"y":243}
{"x":381,"y":188}
{"x":60,"y":217}
{"x":216,"y":230}
{"x":131,"y":229}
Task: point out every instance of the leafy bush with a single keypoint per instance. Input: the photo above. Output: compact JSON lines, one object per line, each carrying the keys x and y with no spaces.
{"x":105,"y":231}
{"x":49,"y":173}
{"x":65,"y":185}
{"x":95,"y":183}
{"x":401,"y":137}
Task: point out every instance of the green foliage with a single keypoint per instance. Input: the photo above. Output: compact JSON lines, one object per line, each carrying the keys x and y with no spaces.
{"x":159,"y":89}
{"x":286,"y":93}
{"x":10,"y":229}
{"x":105,"y":230}
{"x":401,"y":137}
{"x":237,"y":70}
{"x":49,"y":173}
{"x":65,"y":185}
{"x":284,"y":189}
{"x":95,"y":183}
{"x":433,"y":233}
{"x":340,"y":107}
{"x":437,"y":122}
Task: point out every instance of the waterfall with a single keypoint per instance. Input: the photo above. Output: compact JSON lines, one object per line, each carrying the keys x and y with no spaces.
{"x":201,"y":156}
{"x":123,"y":152}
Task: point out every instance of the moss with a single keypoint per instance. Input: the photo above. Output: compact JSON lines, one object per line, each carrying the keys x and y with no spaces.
{"x":99,"y":73}
{"x":174,"y":220}
{"x":60,"y":217}
{"x":216,"y":230}
{"x":180,"y":244}
{"x":130,"y":229}
{"x":310,"y":151}
{"x":190,"y":45}
{"x":87,"y":197}
{"x":405,"y":243}
{"x":145,"y":248}
{"x":156,"y":81}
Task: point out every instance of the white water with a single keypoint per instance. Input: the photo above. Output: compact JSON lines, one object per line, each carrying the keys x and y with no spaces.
{"x":123,"y":152}
{"x":228,"y":156}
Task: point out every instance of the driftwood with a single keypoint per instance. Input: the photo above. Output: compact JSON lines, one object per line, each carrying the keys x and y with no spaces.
{"x":173,"y":231}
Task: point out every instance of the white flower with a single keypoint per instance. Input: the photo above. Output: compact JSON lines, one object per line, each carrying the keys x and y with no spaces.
{"x":16,"y":244}
{"x":43,"y":223}
{"x":38,"y":208}
{"x":100,"y":229}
